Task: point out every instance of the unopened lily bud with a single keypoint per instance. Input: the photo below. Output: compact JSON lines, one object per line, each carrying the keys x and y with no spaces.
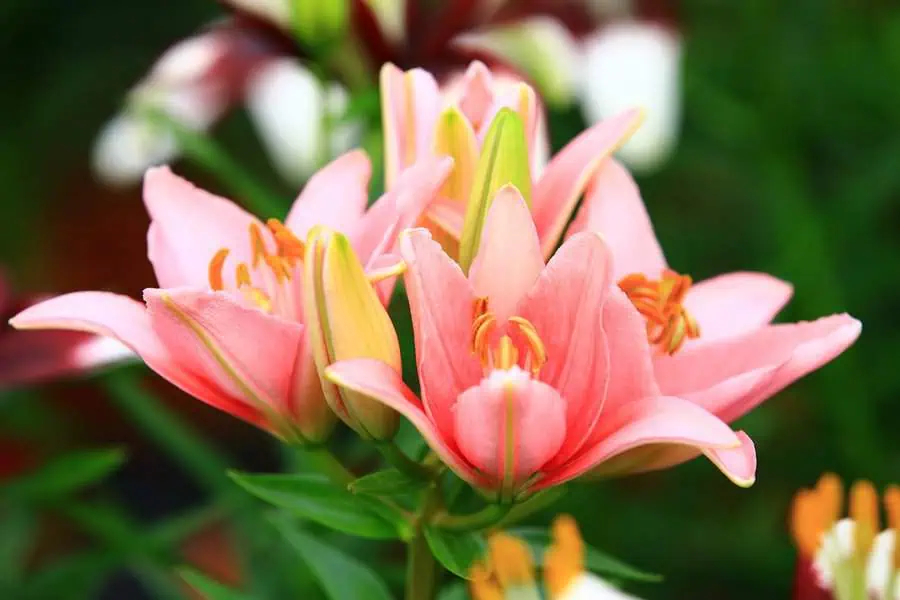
{"x":503,"y":161}
{"x":347,"y":320}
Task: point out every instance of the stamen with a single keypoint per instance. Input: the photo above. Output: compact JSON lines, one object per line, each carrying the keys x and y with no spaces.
{"x":537,"y":351}
{"x":864,"y":512}
{"x":564,"y":560}
{"x":511,"y":561}
{"x":289,"y":245}
{"x":216,"y":283}
{"x":505,"y":355}
{"x":381,"y":274}
{"x":892,"y":508}
{"x":242,"y":275}
{"x":481,"y":330}
{"x":807,"y":524}
{"x":257,"y":244}
{"x":277,"y":265}
{"x":480,"y":307}
{"x":482,"y":585}
{"x":669,"y":324}
{"x":831,"y":496}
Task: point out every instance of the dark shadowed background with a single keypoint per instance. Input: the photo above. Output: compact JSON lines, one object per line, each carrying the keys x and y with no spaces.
{"x":789,"y":163}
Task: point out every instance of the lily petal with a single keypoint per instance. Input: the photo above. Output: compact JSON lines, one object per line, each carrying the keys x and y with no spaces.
{"x":476,"y":93}
{"x":735,"y":303}
{"x":189,"y":226}
{"x":126,"y":320}
{"x":442,"y":305}
{"x":399,"y":208}
{"x":381,"y":382}
{"x":250,"y":355}
{"x":570,"y":170}
{"x":732,"y":376}
{"x":613,"y":208}
{"x":509,"y":426}
{"x":650,"y":421}
{"x":336,"y":196}
{"x":566,"y":308}
{"x":509,"y":258}
{"x":410,"y":105}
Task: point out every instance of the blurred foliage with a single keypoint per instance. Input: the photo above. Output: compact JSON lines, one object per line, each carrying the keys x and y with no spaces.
{"x":789,"y":163}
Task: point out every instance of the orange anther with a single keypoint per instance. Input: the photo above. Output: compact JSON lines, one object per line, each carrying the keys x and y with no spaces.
{"x":242,"y":275}
{"x":864,"y":512}
{"x":257,"y":244}
{"x":289,"y":245}
{"x":669,"y":324}
{"x":216,"y":283}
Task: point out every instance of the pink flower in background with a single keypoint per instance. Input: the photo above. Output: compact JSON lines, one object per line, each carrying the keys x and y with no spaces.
{"x":533,"y":374}
{"x":226,"y":324}
{"x":30,"y":357}
{"x":248,"y":59}
{"x":715,"y":344}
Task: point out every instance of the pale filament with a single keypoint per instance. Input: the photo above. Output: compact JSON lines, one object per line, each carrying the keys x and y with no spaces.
{"x":504,"y":354}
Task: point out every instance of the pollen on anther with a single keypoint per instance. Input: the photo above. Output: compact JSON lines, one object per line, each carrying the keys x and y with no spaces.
{"x":892,"y":508}
{"x":242,"y":275}
{"x":216,"y":283}
{"x":511,"y":560}
{"x":864,"y":512}
{"x":564,"y":560}
{"x":257,"y":244}
{"x":289,"y":245}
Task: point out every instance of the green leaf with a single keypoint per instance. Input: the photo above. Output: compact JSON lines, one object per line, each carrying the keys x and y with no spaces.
{"x":389,"y":482}
{"x":63,"y":476}
{"x":212,"y":590}
{"x":456,"y":551}
{"x":315,"y":498}
{"x":595,"y":560}
{"x":503,"y":161}
{"x":339,"y":575}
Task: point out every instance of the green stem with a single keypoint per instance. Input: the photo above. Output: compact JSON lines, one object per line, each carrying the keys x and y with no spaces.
{"x":421,"y":569}
{"x":175,"y":439}
{"x":403,"y":463}
{"x":322,"y":460}
{"x":535,"y":503}
{"x":489,"y":516}
{"x":211,"y":157}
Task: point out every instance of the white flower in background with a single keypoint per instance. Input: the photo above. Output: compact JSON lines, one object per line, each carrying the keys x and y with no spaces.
{"x":197,"y":81}
{"x":846,"y":559}
{"x":636,"y":63}
{"x":508,"y":572}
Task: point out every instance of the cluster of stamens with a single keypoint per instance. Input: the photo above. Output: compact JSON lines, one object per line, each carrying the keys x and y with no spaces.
{"x":504,"y":354}
{"x":669,"y":324}
{"x":271,"y":268}
{"x":843,"y":561}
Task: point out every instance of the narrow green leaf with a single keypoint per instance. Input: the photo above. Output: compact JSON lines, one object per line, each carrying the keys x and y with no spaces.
{"x":389,"y":482}
{"x":339,"y":575}
{"x":456,"y":551}
{"x":211,"y":590}
{"x":503,"y":161}
{"x":315,"y":498}
{"x":74,"y":576}
{"x":595,"y":560}
{"x":64,"y":475}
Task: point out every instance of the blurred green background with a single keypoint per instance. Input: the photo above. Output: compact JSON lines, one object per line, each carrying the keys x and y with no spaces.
{"x":789,"y":163}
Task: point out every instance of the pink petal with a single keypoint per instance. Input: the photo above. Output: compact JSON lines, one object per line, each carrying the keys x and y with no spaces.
{"x":336,"y":196}
{"x":509,"y":426}
{"x":509,"y":258}
{"x":661,"y":420}
{"x":730,"y":377}
{"x":448,"y":215}
{"x":410,"y":103}
{"x":614,"y":209}
{"x":442,"y":306}
{"x":476,"y":92}
{"x":249,"y":354}
{"x":735,"y":303}
{"x":189,"y":226}
{"x":564,"y":179}
{"x":566,"y":308}
{"x":31,"y":356}
{"x":380,"y":382}
{"x":399,"y":208}
{"x":127,"y":320}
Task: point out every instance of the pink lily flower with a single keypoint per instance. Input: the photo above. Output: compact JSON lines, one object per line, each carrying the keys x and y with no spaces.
{"x":239,"y":343}
{"x":27,"y":358}
{"x":715,"y":344}
{"x":533,"y":374}
{"x":422,"y":119}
